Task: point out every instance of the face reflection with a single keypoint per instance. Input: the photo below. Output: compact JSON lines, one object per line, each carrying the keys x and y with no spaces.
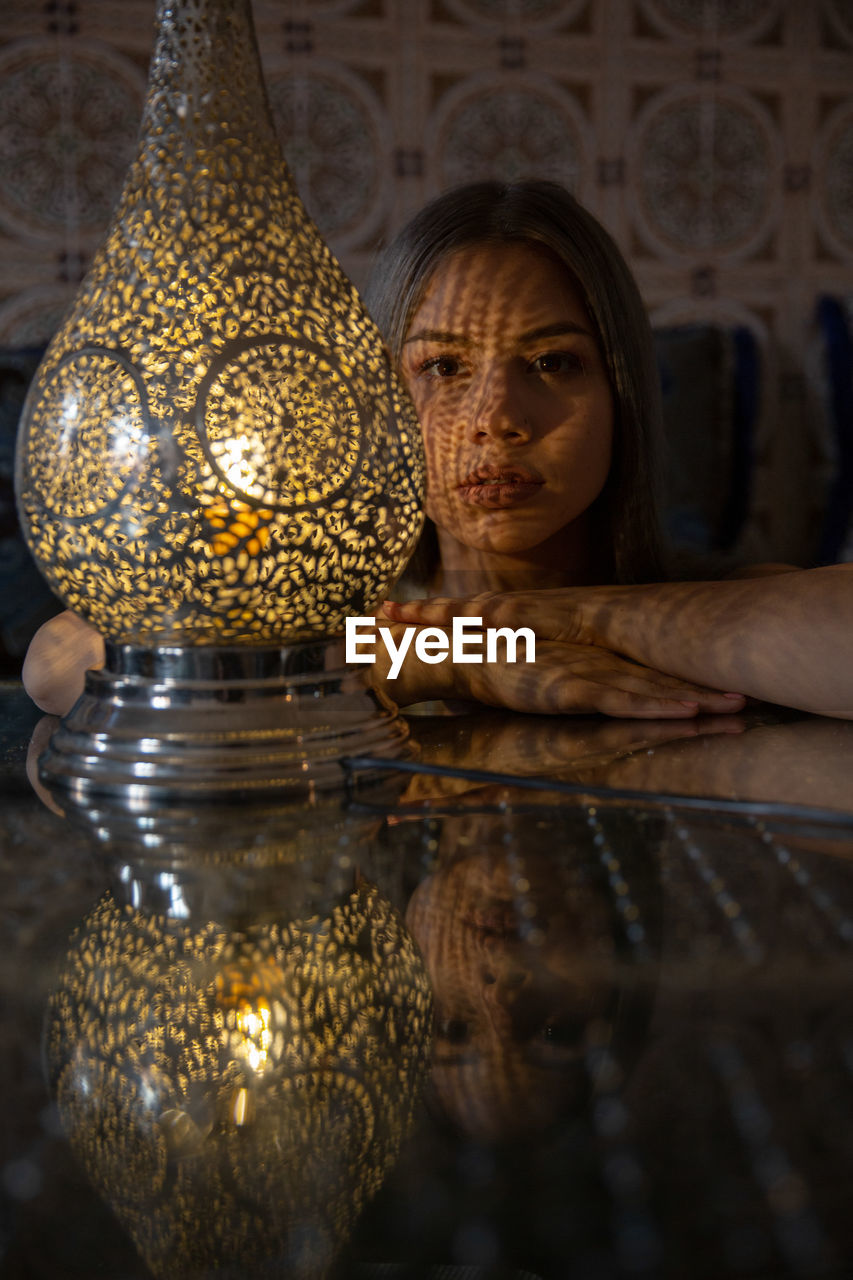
{"x":518,"y":976}
{"x":503,"y":365}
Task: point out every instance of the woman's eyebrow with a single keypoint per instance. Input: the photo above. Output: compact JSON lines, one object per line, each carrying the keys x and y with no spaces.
{"x":446,"y":336}
{"x":438,"y":335}
{"x":554,"y":330}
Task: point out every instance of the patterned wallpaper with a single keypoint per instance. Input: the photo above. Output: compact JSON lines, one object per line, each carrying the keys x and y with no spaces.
{"x":713,"y":137}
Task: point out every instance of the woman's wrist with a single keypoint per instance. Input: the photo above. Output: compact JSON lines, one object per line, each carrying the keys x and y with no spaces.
{"x":607,"y":616}
{"x":414,"y":680}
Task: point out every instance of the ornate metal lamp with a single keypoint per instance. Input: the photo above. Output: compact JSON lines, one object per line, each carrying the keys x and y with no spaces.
{"x":216,"y":464}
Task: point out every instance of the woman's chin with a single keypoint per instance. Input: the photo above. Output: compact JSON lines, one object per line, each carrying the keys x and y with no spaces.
{"x":505,"y":538}
{"x":512,"y":530}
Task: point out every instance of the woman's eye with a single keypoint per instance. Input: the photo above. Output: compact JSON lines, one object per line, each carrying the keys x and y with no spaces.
{"x":556,"y":362}
{"x":453,"y":1030}
{"x":562,"y":1033}
{"x":441,"y":367}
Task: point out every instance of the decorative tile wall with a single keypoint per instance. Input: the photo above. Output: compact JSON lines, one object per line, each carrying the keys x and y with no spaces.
{"x":713,"y":137}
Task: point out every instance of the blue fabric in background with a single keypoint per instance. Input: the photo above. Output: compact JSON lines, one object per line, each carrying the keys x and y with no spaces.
{"x":710,"y":381}
{"x":25,"y":599}
{"x":838,"y":357}
{"x":745,"y":410}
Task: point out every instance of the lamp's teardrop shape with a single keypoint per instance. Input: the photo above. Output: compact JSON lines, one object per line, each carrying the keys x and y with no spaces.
{"x":214,"y":450}
{"x":238,"y":1093}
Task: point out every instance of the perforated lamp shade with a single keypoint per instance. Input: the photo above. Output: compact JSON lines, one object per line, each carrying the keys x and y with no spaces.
{"x":237,"y":1095}
{"x":214,"y":450}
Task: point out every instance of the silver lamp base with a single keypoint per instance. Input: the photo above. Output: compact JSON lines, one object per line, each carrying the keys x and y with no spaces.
{"x":209,"y":721}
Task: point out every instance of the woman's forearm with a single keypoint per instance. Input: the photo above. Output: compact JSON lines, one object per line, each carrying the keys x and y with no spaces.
{"x":785,"y":638}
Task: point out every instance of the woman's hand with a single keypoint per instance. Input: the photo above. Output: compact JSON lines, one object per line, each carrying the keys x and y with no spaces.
{"x":579,"y":679}
{"x":781,"y":635}
{"x":576,"y":670}
{"x":564,"y":679}
{"x":60,"y":654}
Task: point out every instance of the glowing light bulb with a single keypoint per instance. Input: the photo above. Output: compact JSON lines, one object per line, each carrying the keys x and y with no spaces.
{"x":254,"y":1025}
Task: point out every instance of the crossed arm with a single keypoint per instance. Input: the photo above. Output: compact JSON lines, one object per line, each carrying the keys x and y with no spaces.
{"x":669,"y":650}
{"x":783,"y":637}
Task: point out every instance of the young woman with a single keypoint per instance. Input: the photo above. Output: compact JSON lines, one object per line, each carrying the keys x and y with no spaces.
{"x":520,"y":333}
{"x":523,"y":341}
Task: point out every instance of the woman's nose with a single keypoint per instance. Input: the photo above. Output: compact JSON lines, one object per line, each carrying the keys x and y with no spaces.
{"x":500,"y":411}
{"x":503,"y":984}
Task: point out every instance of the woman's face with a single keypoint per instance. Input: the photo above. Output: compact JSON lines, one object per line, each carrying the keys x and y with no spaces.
{"x":504,"y":367}
{"x":522,"y":963}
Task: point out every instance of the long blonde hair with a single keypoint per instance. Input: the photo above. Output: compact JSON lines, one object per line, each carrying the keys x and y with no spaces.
{"x":626,"y":522}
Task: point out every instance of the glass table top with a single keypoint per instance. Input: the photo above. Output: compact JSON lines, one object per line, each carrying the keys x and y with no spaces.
{"x":559,"y":998}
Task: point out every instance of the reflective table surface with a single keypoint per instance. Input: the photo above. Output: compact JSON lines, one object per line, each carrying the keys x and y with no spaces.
{"x":563,"y":998}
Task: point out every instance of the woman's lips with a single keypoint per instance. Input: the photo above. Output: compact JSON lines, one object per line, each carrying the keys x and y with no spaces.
{"x":499,"y":487}
{"x":496,"y":917}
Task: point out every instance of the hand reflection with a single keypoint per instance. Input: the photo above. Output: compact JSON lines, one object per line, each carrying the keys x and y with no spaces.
{"x":762,"y":757}
{"x":38,"y":743}
{"x":568,"y":750}
{"x":806,"y":761}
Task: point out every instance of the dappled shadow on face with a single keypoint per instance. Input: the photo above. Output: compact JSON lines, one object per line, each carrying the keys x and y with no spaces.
{"x":503,"y":364}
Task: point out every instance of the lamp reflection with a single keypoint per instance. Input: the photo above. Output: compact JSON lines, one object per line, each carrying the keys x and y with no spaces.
{"x":238,"y":1040}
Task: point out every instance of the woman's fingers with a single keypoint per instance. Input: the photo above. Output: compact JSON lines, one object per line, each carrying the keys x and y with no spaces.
{"x":578,"y":679}
{"x":653,"y":684}
{"x":611,"y":700}
{"x":680,"y":700}
{"x":626,"y":702}
{"x":597,"y":668}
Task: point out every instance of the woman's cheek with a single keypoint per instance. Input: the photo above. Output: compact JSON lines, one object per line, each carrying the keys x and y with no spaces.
{"x":440,"y":465}
{"x":436,"y":506}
